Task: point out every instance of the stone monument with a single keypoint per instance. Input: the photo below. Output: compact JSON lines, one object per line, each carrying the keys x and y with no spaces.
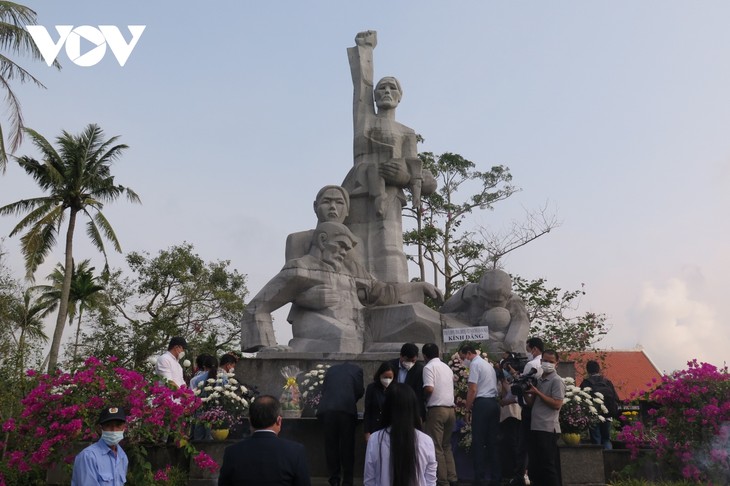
{"x":492,"y":303}
{"x":385,"y":162}
{"x":347,"y":279}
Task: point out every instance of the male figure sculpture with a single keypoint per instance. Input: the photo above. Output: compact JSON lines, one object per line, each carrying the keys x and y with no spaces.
{"x":385,"y":162}
{"x":491,"y":303}
{"x":327,"y":297}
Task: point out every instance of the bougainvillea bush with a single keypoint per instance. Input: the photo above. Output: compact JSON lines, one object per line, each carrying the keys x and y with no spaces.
{"x":691,"y":427}
{"x":63,"y":408}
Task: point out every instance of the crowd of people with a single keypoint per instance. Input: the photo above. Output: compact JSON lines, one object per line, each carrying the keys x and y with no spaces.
{"x":408,"y":420}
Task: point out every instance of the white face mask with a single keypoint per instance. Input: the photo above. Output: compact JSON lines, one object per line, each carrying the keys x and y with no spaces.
{"x":112,"y":438}
{"x":181,"y":355}
{"x":407,"y":364}
{"x":466,"y":362}
{"x":386,"y":381}
{"x":547,"y":367}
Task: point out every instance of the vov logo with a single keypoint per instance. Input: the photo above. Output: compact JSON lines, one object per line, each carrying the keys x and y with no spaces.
{"x":99,"y":37}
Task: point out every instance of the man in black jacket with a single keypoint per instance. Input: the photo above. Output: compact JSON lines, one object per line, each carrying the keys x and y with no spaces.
{"x":337,"y":411}
{"x":410,"y":372}
{"x":263,"y":458}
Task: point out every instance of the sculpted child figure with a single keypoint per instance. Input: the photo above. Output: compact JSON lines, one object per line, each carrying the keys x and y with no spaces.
{"x":492,"y":303}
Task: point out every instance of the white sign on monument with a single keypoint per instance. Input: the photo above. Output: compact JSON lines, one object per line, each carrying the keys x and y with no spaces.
{"x":457,"y":335}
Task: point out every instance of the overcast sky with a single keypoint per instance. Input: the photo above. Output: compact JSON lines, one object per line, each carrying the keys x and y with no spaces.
{"x":615,"y":114}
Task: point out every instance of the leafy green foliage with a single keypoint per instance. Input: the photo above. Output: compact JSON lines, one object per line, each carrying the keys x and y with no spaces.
{"x":17,"y":40}
{"x":174,"y":293}
{"x":551,"y":311}
{"x":453,"y":252}
{"x":77,"y":181}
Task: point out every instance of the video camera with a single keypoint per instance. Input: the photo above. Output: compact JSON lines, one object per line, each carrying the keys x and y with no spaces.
{"x":516,"y":362}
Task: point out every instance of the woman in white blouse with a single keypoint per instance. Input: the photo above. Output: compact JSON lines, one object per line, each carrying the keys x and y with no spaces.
{"x":400,"y":454}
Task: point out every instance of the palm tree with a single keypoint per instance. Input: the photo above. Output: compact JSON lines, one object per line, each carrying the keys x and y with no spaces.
{"x":85,"y":293}
{"x":26,"y":316}
{"x":77,"y":179}
{"x":15,"y":39}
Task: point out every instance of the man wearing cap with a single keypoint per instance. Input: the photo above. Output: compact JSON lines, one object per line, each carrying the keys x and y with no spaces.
{"x":104,"y":462}
{"x":167,"y":365}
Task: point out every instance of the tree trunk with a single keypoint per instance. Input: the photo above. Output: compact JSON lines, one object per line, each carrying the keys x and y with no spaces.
{"x":421,"y":264}
{"x":65,"y":293}
{"x":78,"y":330}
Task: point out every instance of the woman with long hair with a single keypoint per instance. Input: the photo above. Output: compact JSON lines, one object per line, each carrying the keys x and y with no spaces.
{"x":375,"y":398}
{"x":400,"y":454}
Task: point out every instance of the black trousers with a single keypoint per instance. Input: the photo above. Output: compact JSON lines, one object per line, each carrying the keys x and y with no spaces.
{"x":509,"y":436}
{"x":523,"y":442}
{"x":543,"y":453}
{"x":339,"y":445}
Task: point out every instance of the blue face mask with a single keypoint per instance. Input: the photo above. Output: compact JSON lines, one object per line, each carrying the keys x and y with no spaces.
{"x":112,"y":438}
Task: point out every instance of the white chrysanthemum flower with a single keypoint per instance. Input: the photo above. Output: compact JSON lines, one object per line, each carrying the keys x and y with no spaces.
{"x":218,"y":388}
{"x":152,"y":360}
{"x":304,"y":395}
{"x":210,"y":380}
{"x":320,"y":366}
{"x":186,"y":363}
{"x":601,"y":418}
{"x":196,"y":391}
{"x":593,"y":410}
{"x":604,"y":409}
{"x":233,"y":381}
{"x":244,"y":402}
{"x":244,"y":389}
{"x":566,"y":400}
{"x":600,"y":395}
{"x":577,"y":399}
{"x":208,"y":388}
{"x":597,"y":401}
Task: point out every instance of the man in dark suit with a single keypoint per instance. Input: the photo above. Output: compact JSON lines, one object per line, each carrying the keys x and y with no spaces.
{"x":341,"y":389}
{"x":264,"y":458}
{"x":410,"y":372}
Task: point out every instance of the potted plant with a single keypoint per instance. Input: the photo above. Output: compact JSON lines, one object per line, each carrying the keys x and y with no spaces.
{"x":580,"y":410}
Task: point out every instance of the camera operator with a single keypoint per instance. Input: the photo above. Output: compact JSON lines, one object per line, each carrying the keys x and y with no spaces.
{"x":546,"y":400}
{"x":534,"y":347}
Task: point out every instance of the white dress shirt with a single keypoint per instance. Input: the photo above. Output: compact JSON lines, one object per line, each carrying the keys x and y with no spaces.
{"x":377,"y":460}
{"x":439,"y":375}
{"x":167,"y":367}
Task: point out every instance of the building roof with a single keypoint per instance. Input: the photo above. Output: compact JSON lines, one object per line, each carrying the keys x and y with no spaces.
{"x":630,"y":371}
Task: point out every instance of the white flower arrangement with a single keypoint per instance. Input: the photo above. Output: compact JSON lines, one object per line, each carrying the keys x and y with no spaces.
{"x":312,"y":385}
{"x":580,"y":409}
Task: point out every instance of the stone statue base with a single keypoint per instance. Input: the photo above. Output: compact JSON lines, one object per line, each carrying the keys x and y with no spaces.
{"x":388,"y":327}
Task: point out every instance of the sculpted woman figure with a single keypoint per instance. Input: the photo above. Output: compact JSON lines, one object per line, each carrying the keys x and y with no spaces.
{"x":385,"y":162}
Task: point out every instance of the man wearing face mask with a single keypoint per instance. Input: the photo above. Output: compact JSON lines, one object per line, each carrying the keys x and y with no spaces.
{"x":546,"y":400}
{"x":104,"y":462}
{"x":168,"y":366}
{"x":534,"y":347}
{"x":410,"y":372}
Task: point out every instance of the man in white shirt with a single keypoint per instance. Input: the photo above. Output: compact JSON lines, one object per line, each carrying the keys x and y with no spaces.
{"x":482,"y":399}
{"x":438,"y":388}
{"x":168,"y":367}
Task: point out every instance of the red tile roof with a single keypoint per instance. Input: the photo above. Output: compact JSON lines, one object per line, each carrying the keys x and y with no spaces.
{"x":630,"y":371}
